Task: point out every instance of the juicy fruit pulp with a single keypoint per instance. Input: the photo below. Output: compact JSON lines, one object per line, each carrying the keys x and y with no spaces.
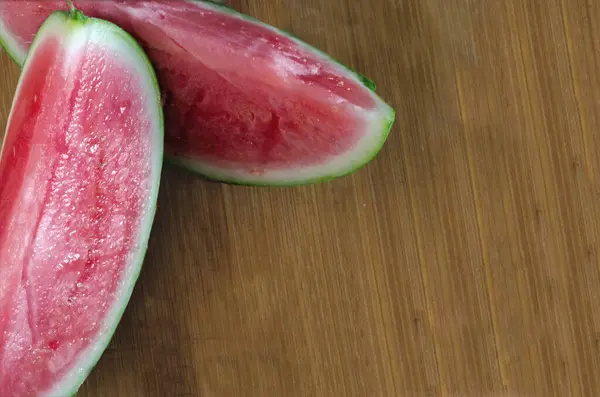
{"x":243,"y":101}
{"x":79,"y":174}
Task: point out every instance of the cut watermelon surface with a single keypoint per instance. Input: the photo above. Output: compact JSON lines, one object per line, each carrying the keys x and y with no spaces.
{"x":244,"y":102}
{"x":79,"y":175}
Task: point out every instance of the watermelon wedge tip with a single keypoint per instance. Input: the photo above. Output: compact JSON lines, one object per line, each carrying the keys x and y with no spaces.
{"x":80,"y":169}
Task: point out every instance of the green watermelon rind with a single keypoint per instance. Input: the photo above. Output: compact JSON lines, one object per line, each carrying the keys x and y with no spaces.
{"x":67,"y":21}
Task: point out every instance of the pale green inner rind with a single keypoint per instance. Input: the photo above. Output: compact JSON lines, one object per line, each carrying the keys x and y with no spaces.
{"x":67,"y":26}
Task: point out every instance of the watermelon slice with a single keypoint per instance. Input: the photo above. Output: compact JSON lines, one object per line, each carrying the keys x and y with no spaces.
{"x":244,"y":102}
{"x":79,"y":174}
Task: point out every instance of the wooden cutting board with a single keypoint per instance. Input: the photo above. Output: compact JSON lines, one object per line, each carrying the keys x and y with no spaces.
{"x":462,"y":262}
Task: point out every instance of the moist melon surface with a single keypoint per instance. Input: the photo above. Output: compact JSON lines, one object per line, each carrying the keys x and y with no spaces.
{"x":77,"y":178}
{"x":241,"y":98}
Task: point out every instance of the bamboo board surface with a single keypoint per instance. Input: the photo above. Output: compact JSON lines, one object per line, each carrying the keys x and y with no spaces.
{"x":462,"y":262}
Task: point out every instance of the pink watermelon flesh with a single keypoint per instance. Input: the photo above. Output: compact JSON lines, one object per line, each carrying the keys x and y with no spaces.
{"x":243,"y":101}
{"x":78,"y":178}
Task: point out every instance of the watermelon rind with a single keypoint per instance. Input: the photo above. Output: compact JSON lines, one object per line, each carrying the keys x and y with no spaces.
{"x":370,"y":144}
{"x":73,"y":26}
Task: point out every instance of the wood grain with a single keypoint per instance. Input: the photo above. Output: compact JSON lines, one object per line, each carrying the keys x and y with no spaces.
{"x":462,"y":262}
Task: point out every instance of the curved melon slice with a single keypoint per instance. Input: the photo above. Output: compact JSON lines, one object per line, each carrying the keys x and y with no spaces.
{"x":244,"y":102}
{"x":79,"y":175}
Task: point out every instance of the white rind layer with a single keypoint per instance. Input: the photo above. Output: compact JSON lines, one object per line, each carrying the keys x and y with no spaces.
{"x":74,"y":33}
